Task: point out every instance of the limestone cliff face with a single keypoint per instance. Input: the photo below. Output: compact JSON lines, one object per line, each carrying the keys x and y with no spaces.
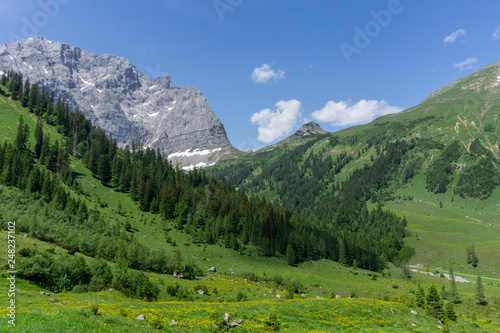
{"x":111,"y":92}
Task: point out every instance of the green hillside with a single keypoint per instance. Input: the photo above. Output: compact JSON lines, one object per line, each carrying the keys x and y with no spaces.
{"x":444,"y":178}
{"x":65,"y":243}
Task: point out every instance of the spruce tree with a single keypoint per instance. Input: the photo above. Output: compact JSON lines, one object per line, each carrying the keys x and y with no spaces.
{"x":33,"y":100}
{"x":434,"y":304}
{"x":454,"y":296}
{"x":22,"y":134}
{"x":450,"y":311}
{"x":471,"y":256}
{"x":481,"y":299}
{"x":291,"y":256}
{"x":420,"y":297}
{"x":38,"y":137}
{"x":26,"y":93}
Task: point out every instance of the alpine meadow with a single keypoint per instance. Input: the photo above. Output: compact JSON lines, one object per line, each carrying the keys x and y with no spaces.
{"x":124,"y":207}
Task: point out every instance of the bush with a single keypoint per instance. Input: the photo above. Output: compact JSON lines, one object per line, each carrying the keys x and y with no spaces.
{"x":173,"y":289}
{"x":201,"y":287}
{"x":157,"y":323}
{"x":241,"y":297}
{"x":25,"y":252}
{"x":272,"y":323}
{"x":94,"y":308}
{"x":289,"y":294}
{"x":294,"y":286}
{"x":80,"y":289}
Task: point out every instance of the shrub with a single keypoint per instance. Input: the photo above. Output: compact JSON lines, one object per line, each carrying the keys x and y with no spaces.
{"x":157,"y":323}
{"x":272,"y":323}
{"x":294,"y":286}
{"x":173,"y":289}
{"x":80,"y":289}
{"x":289,"y":294}
{"x":241,"y":297}
{"x":25,"y":252}
{"x":94,"y":308}
{"x":201,"y":287}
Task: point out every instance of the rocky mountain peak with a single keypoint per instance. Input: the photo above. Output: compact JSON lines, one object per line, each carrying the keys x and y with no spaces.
{"x":310,"y":128}
{"x":116,"y":96}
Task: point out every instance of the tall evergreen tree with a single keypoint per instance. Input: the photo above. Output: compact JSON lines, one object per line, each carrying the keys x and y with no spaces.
{"x":480,"y":298}
{"x":38,"y":137}
{"x":471,"y":256}
{"x":26,"y":93}
{"x":22,"y":134}
{"x":420,"y":297}
{"x":450,"y":311}
{"x":33,"y":100}
{"x":454,"y":296}
{"x":434,"y":304}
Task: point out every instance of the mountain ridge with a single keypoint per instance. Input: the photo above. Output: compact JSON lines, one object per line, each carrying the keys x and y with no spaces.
{"x":116,"y":96}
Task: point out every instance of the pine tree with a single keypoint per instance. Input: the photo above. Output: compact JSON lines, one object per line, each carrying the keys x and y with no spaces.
{"x":450,"y":311}
{"x":471,"y":256}
{"x":454,"y":296}
{"x":104,"y":169}
{"x":420,"y":297}
{"x":481,"y":299}
{"x":444,"y":293}
{"x":38,"y":137}
{"x":33,"y":100}
{"x":26,"y":93}
{"x":434,"y":304}
{"x":22,"y":134}
{"x":291,"y":256}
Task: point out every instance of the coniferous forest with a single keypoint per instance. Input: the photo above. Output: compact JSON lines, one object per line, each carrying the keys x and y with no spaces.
{"x":209,"y":209}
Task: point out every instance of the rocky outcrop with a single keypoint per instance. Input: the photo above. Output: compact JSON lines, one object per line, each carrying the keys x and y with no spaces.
{"x":310,"y":129}
{"x":116,"y":96}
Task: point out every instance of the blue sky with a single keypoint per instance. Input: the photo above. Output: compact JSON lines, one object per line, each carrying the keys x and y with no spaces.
{"x":267,"y":67}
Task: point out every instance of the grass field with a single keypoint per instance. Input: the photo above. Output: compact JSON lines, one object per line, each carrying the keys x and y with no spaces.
{"x":381,"y":302}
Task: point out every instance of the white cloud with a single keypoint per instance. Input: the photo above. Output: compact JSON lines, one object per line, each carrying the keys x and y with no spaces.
{"x":496,"y":34}
{"x":466,"y":64}
{"x":454,"y":36}
{"x":346,"y":113}
{"x":265,"y":73}
{"x":277,"y":124}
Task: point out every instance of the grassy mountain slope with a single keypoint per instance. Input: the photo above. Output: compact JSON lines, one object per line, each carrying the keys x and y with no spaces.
{"x":466,"y":112}
{"x":381,"y":303}
{"x":237,"y":272}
